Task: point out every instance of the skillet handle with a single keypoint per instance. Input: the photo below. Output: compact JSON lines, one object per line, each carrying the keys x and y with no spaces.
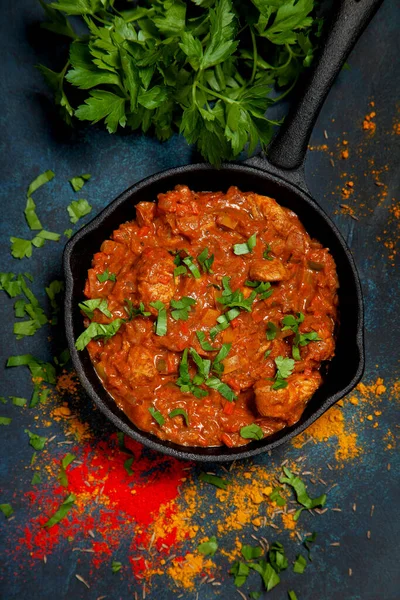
{"x":288,"y":149}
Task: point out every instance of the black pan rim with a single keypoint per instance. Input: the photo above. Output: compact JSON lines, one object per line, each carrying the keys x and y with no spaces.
{"x":219,"y":453}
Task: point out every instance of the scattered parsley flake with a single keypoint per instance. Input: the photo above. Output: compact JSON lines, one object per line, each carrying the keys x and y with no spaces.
{"x":78,"y":209}
{"x":182,"y":308}
{"x":300,"y":564}
{"x":157,"y":416}
{"x":36,"y":441}
{"x":116,"y":566}
{"x":182,"y":412}
{"x":251,"y":552}
{"x":39,"y":181}
{"x":208,"y":548}
{"x":65,"y":462}
{"x":284,"y":368}
{"x":251,"y":432}
{"x":247,"y":247}
{"x":214,"y":480}
{"x":205,"y":261}
{"x":79,"y":181}
{"x":5,"y":420}
{"x":204,"y":343}
{"x":106,"y":276}
{"x":30,"y":214}
{"x":128,"y":466}
{"x":97,"y":331}
{"x":161,"y":322}
{"x":7,"y":510}
{"x":61,"y":512}
{"x":301,"y":492}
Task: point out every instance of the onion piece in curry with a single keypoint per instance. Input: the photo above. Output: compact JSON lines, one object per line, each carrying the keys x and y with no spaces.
{"x":223,"y":309}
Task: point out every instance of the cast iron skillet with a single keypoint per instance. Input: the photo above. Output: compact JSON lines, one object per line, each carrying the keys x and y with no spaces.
{"x":282,"y":178}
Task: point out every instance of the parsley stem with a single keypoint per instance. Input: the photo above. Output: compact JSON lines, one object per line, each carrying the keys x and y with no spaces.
{"x":216,"y":94}
{"x":255,"y":56}
{"x":285,"y":93}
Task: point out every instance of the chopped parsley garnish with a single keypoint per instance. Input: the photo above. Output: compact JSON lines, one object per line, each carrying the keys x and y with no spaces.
{"x":128,"y":465}
{"x":217,"y":365}
{"x":36,"y":441}
{"x":214,"y":480}
{"x":300,"y":564}
{"x":68,"y":233}
{"x":89,"y":306}
{"x":223,"y":322}
{"x":284,"y":368}
{"x":267,"y":572}
{"x":106,"y":276}
{"x":39,"y":181}
{"x":21,"y":248}
{"x":30,"y":215}
{"x":292,"y":323}
{"x":65,"y":462}
{"x":7,"y":510}
{"x":181,"y":270}
{"x":133,"y":312}
{"x":247,"y":247}
{"x":182,"y":308}
{"x":205,"y":261}
{"x":271,"y":331}
{"x":301,"y":493}
{"x":224,"y":389}
{"x":116,"y":566}
{"x":275,"y":496}
{"x":36,"y":479}
{"x":184,"y":382}
{"x":161,"y":321}
{"x":251,"y":552}
{"x":309,"y":540}
{"x":208,"y":548}
{"x":157,"y":416}
{"x":54,"y":288}
{"x":292,"y":595}
{"x":240,"y":571}
{"x":79,"y":181}
{"x":45,"y":236}
{"x":182,"y":412}
{"x":262,"y":288}
{"x":39,"y":369}
{"x":78,"y":209}
{"x":5,"y":420}
{"x":97,"y":331}
{"x":267,"y":253}
{"x":18,"y":401}
{"x":11,"y":284}
{"x":251,"y":432}
{"x":61,"y":512}
{"x":204,"y":343}
{"x":235,"y":299}
{"x":188,"y":260}
{"x":277,"y":558}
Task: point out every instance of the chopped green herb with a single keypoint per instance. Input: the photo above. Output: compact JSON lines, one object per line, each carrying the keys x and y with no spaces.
{"x":267,"y":572}
{"x":64,"y":357}
{"x":277,"y":558}
{"x":45,"y":236}
{"x":275,"y":496}
{"x":106,"y":276}
{"x":182,"y":412}
{"x":184,"y":382}
{"x":79,"y":181}
{"x":251,"y":432}
{"x":36,"y":441}
{"x":208,"y":548}
{"x":38,"y":368}
{"x":7,"y":510}
{"x":292,"y":323}
{"x":181,"y":270}
{"x":292,"y":595}
{"x":18,"y":401}
{"x":284,"y":368}
{"x":78,"y":209}
{"x":61,"y":512}
{"x":240,"y":571}
{"x":255,"y":595}
{"x":128,"y":466}
{"x":39,"y":181}
{"x":96,"y":331}
{"x":3,"y":400}
{"x":301,"y":493}
{"x":116,"y":566}
{"x":182,"y":308}
{"x":55,"y":287}
{"x":11,"y":284}
{"x":309,"y":540}
{"x":136,"y":312}
{"x":247,"y":247}
{"x":267,"y":353}
{"x":21,"y":248}
{"x":300,"y":564}
{"x":89,"y":306}
{"x":62,"y":474}
{"x":271,"y":330}
{"x":214,"y":480}
{"x":223,"y":322}
{"x":121,"y":443}
{"x":161,"y":322}
{"x":204,"y":343}
{"x":5,"y":420}
{"x":251,"y":552}
{"x":205,"y":261}
{"x":157,"y":416}
{"x":19,"y":308}
{"x":267,"y":253}
{"x":188,"y":260}
{"x":35,"y":396}
{"x":30,"y":214}
{"x":36,"y":478}
{"x":262,"y":288}
{"x":68,"y":233}
{"x":222,"y":388}
{"x":235,"y":299}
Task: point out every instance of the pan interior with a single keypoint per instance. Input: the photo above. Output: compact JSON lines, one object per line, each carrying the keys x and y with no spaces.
{"x":345,"y":369}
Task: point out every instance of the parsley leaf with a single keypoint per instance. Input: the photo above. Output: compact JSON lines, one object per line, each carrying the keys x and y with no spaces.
{"x":103,"y":105}
{"x":240,"y":571}
{"x":106,"y":276}
{"x":79,"y":181}
{"x":65,"y":462}
{"x":247,"y":247}
{"x":96,"y":331}
{"x":7,"y":510}
{"x":39,"y":181}
{"x":284,"y":368}
{"x":116,"y":566}
{"x":182,"y":308}
{"x":300,"y":564}
{"x":224,"y":389}
{"x":267,"y":253}
{"x":39,"y":369}
{"x":30,"y":214}
{"x":251,"y":552}
{"x":208,"y":548}
{"x":204,"y":343}
{"x":307,"y":541}
{"x":21,"y":248}
{"x":36,"y":441}
{"x":292,"y":595}
{"x":214,"y":480}
{"x":275,"y":496}
{"x":251,"y":432}
{"x":301,"y":492}
{"x":78,"y":209}
{"x":277,"y":558}
{"x":5,"y":420}
{"x":157,"y":416}
{"x":161,"y":322}
{"x":205,"y":261}
{"x":61,"y":512}
{"x":89,"y":306}
{"x":182,"y":412}
{"x":267,"y":572}
{"x":272,"y":330}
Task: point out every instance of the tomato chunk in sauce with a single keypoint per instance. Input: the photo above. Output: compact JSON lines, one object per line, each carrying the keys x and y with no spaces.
{"x":276,"y":286}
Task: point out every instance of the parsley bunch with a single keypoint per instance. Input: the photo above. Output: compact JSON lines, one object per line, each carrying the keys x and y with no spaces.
{"x":205,"y":68}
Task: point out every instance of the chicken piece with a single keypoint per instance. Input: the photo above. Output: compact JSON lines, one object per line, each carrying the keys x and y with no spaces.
{"x":276,"y":215}
{"x":145,"y":213}
{"x":287,"y":403}
{"x":155,"y":280}
{"x":268,"y":270}
{"x":141,"y":365}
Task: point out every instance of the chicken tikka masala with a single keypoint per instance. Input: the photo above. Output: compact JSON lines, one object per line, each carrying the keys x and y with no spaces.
{"x":209,"y":316}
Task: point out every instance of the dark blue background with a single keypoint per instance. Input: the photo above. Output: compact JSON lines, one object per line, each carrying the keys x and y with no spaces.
{"x":33,"y":139}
